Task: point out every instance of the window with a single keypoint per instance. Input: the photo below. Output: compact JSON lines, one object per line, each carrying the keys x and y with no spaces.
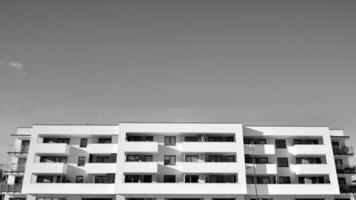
{"x":191,"y":138}
{"x":220,"y":139}
{"x":282,"y":162}
{"x":341,"y":180}
{"x":250,"y":180}
{"x":79,"y":179}
{"x":56,"y":140}
{"x":138,"y":178}
{"x":81,"y":161}
{"x":257,"y":160}
{"x":311,"y":180}
{"x":335,"y":144}
{"x":191,"y":178}
{"x":139,"y":158}
{"x":264,"y":180}
{"x":131,"y":178}
{"x":169,"y":140}
{"x":308,"y":160}
{"x":83,"y":142}
{"x":338,"y":163}
{"x":109,"y":178}
{"x":147,"y":178}
{"x":262,"y":199}
{"x":46,"y":198}
{"x":169,"y":178}
{"x":49,"y":179}
{"x":281,"y":144}
{"x":255,"y":141}
{"x":306,"y":141}
{"x":284,"y":179}
{"x":111,"y":158}
{"x":139,"y":138}
{"x":220,"y":158}
{"x":53,"y":159}
{"x":104,"y":140}
{"x":100,"y":179}
{"x":169,"y":160}
{"x":221,"y":179}
{"x":191,"y":158}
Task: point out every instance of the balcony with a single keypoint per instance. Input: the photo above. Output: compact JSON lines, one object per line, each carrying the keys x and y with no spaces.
{"x":52,"y":148}
{"x":49,"y":168}
{"x":343,"y":151}
{"x":70,"y":188}
{"x":208,"y":147}
{"x":100,"y":168}
{"x":140,"y":167}
{"x":297,"y":189}
{"x":209,"y":167}
{"x":13,"y":168}
{"x":261,"y":168}
{"x":18,"y":151}
{"x":5,"y":188}
{"x":260,"y":149}
{"x":97,"y":148}
{"x":308,"y":149}
{"x":140,"y":147}
{"x":347,"y":188}
{"x":181,"y":188}
{"x":310,"y":169}
{"x":346,"y":170}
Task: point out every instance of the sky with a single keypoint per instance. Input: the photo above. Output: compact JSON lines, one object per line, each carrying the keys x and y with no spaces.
{"x":252,"y":62}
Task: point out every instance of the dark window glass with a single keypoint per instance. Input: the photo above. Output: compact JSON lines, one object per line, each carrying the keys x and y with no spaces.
{"x":308,"y":160}
{"x":139,"y":158}
{"x":56,"y":140}
{"x":139,"y":138}
{"x":83,"y":142}
{"x":284,"y":179}
{"x":191,"y":138}
{"x":221,"y":179}
{"x":191,"y":158}
{"x":79,"y":179}
{"x":281,"y":144}
{"x":169,"y":140}
{"x":104,"y":140}
{"x":264,"y":180}
{"x":100,"y":179}
{"x":131,"y":178}
{"x":53,"y":159}
{"x":341,"y":180}
{"x":335,"y":144}
{"x":147,"y":178}
{"x":311,"y":180}
{"x":255,"y":141}
{"x":214,"y":139}
{"x":169,"y":178}
{"x":191,"y":178}
{"x":169,"y":160}
{"x":81,"y":161}
{"x":282,"y":162}
{"x":261,"y":160}
{"x":250,"y":180}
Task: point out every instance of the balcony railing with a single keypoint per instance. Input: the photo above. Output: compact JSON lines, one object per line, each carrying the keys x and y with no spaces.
{"x":344,"y":150}
{"x":5,"y":188}
{"x":12,"y":168}
{"x":346,"y":170}
{"x":18,"y":150}
{"x":347,"y":188}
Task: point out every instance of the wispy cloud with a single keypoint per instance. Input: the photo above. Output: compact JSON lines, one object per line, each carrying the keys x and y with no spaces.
{"x":14,"y":66}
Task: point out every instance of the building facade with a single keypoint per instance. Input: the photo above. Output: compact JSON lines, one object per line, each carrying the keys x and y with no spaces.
{"x":178,"y":161}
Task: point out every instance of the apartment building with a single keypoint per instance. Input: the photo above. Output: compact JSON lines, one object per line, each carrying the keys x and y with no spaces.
{"x":178,"y":161}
